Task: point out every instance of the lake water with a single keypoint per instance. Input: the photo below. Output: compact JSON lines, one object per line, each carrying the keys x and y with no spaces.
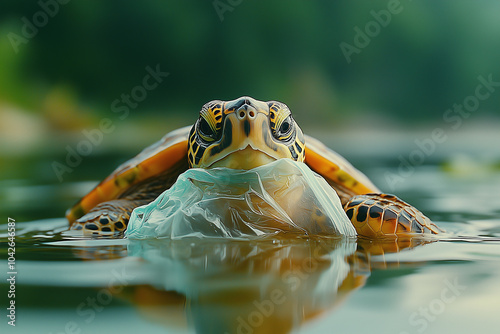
{"x":67,"y":284}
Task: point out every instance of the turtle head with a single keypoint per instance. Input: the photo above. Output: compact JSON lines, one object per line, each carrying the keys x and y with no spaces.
{"x":243,"y":134}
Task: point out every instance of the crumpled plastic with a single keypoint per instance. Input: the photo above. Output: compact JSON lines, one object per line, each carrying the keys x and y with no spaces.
{"x":280,"y":197}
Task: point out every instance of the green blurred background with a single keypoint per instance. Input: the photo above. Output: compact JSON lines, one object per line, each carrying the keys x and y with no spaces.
{"x":65,"y":78}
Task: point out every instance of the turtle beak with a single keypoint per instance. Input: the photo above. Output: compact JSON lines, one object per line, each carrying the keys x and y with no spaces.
{"x":246,"y":159}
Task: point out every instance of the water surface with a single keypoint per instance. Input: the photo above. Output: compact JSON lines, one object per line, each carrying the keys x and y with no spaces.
{"x":101,"y":285}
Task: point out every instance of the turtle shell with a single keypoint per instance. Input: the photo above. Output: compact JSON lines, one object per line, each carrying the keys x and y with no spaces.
{"x":154,"y":160}
{"x":337,"y":171}
{"x":171,"y":152}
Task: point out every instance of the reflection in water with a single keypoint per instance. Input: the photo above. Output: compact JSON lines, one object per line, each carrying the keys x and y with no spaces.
{"x":252,"y":287}
{"x":216,"y":287}
{"x":212,"y":286}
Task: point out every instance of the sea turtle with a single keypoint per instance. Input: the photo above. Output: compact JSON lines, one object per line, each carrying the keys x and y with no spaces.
{"x":243,"y":133}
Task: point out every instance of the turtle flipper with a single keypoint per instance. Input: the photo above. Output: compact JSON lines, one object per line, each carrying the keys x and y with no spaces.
{"x":383,"y":215}
{"x":111,"y":216}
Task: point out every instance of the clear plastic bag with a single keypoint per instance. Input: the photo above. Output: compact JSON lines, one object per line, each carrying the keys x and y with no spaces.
{"x":281,"y":197}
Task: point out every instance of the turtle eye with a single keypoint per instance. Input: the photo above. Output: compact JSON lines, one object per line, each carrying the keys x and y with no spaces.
{"x":285,"y":130}
{"x":286,"y":125}
{"x":205,"y":131}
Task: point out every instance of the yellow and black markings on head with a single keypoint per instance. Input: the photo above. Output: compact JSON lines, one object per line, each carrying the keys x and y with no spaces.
{"x":227,"y":127}
{"x":210,"y":121}
{"x":283,"y":125}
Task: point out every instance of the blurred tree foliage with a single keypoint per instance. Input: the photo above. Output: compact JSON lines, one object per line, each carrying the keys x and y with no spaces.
{"x":427,"y":58}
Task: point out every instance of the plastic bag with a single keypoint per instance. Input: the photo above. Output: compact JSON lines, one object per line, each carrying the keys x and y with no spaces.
{"x":281,"y":197}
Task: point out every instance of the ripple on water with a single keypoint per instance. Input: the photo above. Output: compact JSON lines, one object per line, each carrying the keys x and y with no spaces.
{"x":221,"y":283}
